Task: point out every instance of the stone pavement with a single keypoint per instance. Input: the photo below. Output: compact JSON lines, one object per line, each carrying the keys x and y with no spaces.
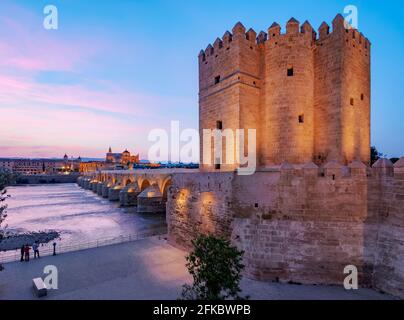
{"x":145,"y":269}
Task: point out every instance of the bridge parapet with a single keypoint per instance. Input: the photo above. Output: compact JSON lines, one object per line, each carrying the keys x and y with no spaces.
{"x":133,"y":187}
{"x":143,"y":177}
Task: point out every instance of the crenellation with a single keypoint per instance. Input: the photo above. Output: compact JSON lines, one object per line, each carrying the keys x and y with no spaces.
{"x":274,"y":30}
{"x":238,"y":30}
{"x":399,"y":169}
{"x":227,"y":38}
{"x":262,"y":37}
{"x":358,"y":169}
{"x":323,"y":31}
{"x":217,"y":45}
{"x":209,"y":50}
{"x":383,"y":167}
{"x":338,"y":24}
{"x":308,"y":30}
{"x":251,"y":35}
{"x":333,"y":169}
{"x":292,"y":26}
{"x":202,"y":56}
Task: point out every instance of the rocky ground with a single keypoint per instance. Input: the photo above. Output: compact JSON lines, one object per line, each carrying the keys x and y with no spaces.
{"x":15,"y":241}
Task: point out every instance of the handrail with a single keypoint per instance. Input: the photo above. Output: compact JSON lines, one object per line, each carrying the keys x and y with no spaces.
{"x":15,"y":255}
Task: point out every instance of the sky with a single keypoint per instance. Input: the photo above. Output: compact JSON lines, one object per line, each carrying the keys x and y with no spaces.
{"x":114,"y":70}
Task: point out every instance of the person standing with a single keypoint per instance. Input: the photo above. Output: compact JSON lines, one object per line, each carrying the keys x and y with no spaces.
{"x":22,"y":253}
{"x":35,"y":247}
{"x":54,"y":248}
{"x":26,"y":251}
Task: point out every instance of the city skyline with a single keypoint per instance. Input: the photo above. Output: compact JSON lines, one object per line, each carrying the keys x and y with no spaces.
{"x":110,"y":73}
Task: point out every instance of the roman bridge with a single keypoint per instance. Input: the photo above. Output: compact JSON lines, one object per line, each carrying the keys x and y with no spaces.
{"x":145,"y":188}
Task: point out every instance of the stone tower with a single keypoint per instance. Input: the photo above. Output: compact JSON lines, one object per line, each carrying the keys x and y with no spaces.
{"x":308,"y":97}
{"x":230,"y":82}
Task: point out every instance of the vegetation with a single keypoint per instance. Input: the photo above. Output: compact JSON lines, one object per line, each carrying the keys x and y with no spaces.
{"x":216,"y":267}
{"x":5,"y":179}
{"x":374,"y":155}
{"x":394,"y":160}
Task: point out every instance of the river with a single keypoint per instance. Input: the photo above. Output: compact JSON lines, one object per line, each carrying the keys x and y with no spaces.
{"x":78,"y":215}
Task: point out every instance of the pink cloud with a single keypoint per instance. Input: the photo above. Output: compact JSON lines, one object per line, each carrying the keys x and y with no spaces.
{"x":36,"y":117}
{"x":54,"y":151}
{"x":17,"y":89}
{"x":78,"y":132}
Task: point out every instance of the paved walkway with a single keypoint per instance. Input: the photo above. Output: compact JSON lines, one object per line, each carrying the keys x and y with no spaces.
{"x":145,"y":269}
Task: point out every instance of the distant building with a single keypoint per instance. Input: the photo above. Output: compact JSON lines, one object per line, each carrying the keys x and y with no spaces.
{"x":40,"y":166}
{"x":113,"y":161}
{"x":66,"y":165}
{"x":6,"y":164}
{"x":93,"y":166}
{"x":124,"y":159}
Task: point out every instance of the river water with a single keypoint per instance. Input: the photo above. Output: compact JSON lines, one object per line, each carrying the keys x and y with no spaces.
{"x":78,"y":215}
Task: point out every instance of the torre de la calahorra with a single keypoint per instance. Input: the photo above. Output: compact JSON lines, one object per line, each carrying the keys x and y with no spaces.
{"x":314,"y":204}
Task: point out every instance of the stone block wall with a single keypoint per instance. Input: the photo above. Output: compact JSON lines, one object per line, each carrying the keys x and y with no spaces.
{"x":308,"y":97}
{"x":300,"y":227}
{"x":199,"y":204}
{"x":302,"y":223}
{"x":389,"y":239}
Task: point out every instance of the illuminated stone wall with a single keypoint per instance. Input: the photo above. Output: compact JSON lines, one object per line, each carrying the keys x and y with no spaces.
{"x":199,"y":203}
{"x":307,"y":96}
{"x":301,"y":223}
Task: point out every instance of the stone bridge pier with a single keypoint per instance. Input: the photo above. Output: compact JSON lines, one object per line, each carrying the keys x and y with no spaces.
{"x":145,"y":189}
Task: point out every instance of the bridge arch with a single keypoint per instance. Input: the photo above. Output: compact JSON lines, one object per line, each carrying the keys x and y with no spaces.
{"x":145,"y":183}
{"x":164,"y":187}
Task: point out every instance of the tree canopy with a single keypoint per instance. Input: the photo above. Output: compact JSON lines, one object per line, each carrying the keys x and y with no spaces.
{"x":216,"y":267}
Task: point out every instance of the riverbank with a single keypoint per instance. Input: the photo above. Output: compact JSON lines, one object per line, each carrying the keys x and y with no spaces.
{"x":46,"y":179}
{"x":143,"y":270}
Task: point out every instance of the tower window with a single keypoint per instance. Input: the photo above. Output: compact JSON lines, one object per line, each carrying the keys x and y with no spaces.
{"x":301,"y":118}
{"x":217,"y":79}
{"x":217,"y":166}
{"x":219,"y":125}
{"x":290,"y":72}
{"x":352,"y":101}
{"x":362,"y":96}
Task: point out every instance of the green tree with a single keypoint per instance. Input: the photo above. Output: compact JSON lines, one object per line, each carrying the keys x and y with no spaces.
{"x":374,"y":155}
{"x":216,"y":267}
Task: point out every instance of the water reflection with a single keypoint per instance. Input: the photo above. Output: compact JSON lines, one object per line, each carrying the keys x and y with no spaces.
{"x":79,"y":215}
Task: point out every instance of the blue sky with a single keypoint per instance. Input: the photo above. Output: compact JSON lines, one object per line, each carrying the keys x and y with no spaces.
{"x":116,"y":69}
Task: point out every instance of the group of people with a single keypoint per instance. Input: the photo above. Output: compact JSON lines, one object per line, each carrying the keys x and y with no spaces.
{"x":25,"y":251}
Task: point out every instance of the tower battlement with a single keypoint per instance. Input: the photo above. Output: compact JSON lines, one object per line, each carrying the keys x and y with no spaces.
{"x":292,"y":27}
{"x":306,"y":93}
